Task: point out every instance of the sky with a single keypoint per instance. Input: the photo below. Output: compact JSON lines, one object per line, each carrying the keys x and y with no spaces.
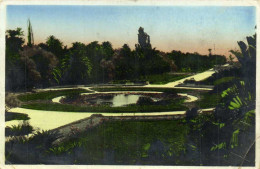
{"x":185,"y":28}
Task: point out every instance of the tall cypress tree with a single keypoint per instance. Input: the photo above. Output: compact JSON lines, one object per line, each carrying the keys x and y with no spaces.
{"x":30,"y":34}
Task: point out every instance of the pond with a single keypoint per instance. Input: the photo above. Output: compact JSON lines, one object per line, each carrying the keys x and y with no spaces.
{"x":114,"y":99}
{"x":121,"y":100}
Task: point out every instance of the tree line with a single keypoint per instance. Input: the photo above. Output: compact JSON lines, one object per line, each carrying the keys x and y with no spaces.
{"x":52,"y":63}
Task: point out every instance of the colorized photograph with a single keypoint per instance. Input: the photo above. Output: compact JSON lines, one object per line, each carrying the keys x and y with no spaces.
{"x":151,"y":85}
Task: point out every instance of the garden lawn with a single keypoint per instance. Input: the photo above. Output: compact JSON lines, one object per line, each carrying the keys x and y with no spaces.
{"x":128,"y":142}
{"x":175,"y":105}
{"x":166,"y":90}
{"x":164,"y":78}
{"x":48,"y":95}
{"x":224,"y":80}
{"x":156,"y":79}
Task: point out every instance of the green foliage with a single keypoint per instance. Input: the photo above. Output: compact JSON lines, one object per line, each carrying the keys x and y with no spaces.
{"x":209,"y":100}
{"x":44,"y":139}
{"x":218,"y":146}
{"x":235,"y":115}
{"x":130,"y":141}
{"x":64,"y":148}
{"x":76,"y":65}
{"x":19,"y":130}
{"x":44,"y":63}
{"x":174,"y":105}
{"x":249,"y":119}
{"x":14,"y":41}
{"x":55,"y":46}
{"x":14,"y":67}
{"x":247,"y":58}
{"x":166,"y":90}
{"x":234,"y":139}
{"x":19,"y":140}
{"x":15,"y":116}
{"x":224,"y":80}
{"x":56,"y":75}
{"x":30,"y":34}
{"x":238,"y":96}
{"x":162,"y":78}
{"x":150,"y":61}
{"x":194,"y":62}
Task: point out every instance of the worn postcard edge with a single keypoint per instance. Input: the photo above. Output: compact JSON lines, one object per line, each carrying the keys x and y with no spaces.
{"x":4,"y":3}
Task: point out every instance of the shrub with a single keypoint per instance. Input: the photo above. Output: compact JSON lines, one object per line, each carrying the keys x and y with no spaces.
{"x":191,"y":113}
{"x":44,"y":139}
{"x":190,"y":81}
{"x":19,"y":130}
{"x":11,"y":101}
{"x":15,"y":116}
{"x":145,"y":101}
{"x":72,"y":97}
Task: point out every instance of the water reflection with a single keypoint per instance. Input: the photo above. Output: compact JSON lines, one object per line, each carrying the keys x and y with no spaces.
{"x":119,"y":100}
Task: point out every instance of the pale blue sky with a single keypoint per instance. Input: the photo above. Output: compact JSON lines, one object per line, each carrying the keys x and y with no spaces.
{"x":189,"y":29}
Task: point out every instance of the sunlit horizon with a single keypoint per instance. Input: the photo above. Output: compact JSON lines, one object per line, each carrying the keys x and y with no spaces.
{"x":186,"y":29}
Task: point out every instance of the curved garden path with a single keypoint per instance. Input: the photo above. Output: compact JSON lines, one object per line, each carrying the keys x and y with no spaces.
{"x":197,"y":77}
{"x":47,"y":120}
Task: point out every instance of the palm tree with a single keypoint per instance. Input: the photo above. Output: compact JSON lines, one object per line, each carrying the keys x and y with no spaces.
{"x":247,"y":58}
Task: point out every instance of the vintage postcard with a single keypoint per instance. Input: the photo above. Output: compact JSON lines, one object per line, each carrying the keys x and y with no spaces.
{"x":131,"y":84}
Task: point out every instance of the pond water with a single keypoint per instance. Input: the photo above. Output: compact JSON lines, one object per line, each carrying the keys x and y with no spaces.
{"x":119,"y":100}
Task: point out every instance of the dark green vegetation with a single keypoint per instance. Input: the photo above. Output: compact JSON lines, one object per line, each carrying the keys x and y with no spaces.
{"x":129,"y":142}
{"x":48,"y":95}
{"x":173,"y":105}
{"x":15,"y":116}
{"x":41,"y":101}
{"x":224,"y":137}
{"x":208,"y":100}
{"x":164,"y":78}
{"x":119,"y":88}
{"x":232,"y":133}
{"x":194,"y":62}
{"x":36,"y":145}
{"x":115,"y":142}
{"x":223,"y":80}
{"x":51,"y":63}
{"x":19,"y":130}
{"x":155,"y":79}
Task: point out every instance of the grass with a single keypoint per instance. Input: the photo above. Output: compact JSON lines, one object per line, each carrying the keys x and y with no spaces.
{"x":149,"y":142}
{"x":48,"y":95}
{"x":224,"y":80}
{"x":156,"y":79}
{"x":164,"y":78}
{"x":175,"y":105}
{"x":218,"y":80}
{"x":15,"y":116}
{"x":128,"y":142}
{"x":166,"y":90}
